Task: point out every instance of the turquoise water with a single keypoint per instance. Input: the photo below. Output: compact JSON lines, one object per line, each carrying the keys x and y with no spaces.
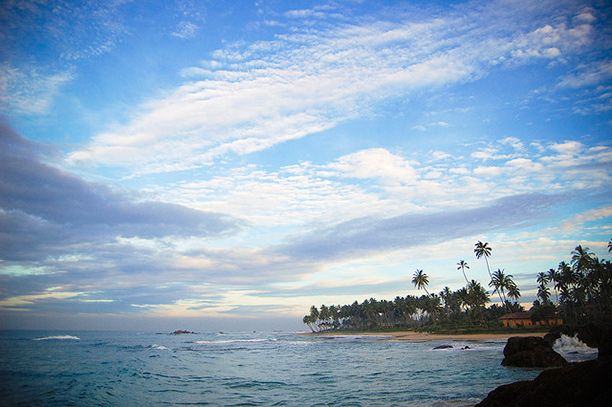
{"x":265,"y":368}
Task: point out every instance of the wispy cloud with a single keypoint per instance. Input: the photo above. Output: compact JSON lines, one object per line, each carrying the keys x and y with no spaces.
{"x":249,"y":98}
{"x":29,"y":91}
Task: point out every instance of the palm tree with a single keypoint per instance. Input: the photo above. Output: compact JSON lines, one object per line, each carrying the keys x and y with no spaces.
{"x":420,"y":280}
{"x":542,"y":278}
{"x":582,"y":258}
{"x":514,"y":292}
{"x":553,"y":276}
{"x":499,"y":282}
{"x":483,"y":250}
{"x":462,"y":265}
{"x":610,"y":246}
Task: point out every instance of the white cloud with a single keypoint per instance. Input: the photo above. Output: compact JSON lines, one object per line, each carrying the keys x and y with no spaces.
{"x":249,"y":98}
{"x":29,"y":91}
{"x":588,"y":75}
{"x":185,"y":30}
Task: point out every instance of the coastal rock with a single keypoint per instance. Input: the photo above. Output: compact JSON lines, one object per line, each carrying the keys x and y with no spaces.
{"x":181,"y":332}
{"x":531,"y":351}
{"x":443,"y":347}
{"x":578,"y":384}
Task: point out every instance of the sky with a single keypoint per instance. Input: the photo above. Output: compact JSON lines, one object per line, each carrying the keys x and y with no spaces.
{"x":226,"y":164}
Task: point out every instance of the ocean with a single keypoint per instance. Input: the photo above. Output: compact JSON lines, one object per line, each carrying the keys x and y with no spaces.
{"x":246,"y":369}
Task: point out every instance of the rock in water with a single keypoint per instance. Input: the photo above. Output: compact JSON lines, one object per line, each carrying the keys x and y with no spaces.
{"x":443,"y":347}
{"x":531,"y":351}
{"x":181,"y":332}
{"x":578,"y":384}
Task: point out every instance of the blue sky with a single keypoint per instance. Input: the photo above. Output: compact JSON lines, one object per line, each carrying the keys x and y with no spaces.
{"x":228,"y":164}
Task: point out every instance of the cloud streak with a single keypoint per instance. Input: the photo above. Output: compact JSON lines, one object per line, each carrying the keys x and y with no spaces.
{"x":249,"y":98}
{"x":44,"y":209}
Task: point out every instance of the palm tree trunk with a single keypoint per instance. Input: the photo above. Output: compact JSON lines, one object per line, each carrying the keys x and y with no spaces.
{"x":464,"y":276}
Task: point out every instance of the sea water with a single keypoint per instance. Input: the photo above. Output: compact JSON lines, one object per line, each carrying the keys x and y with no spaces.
{"x":249,"y":369}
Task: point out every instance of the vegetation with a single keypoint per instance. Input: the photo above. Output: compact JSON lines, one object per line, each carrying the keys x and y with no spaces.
{"x":582,"y":288}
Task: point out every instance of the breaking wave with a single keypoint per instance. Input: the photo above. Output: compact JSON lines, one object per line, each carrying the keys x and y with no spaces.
{"x":58,"y":338}
{"x":573,"y":349}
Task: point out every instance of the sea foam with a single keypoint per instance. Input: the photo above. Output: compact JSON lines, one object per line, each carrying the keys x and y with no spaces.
{"x":58,"y":338}
{"x":573,"y":349}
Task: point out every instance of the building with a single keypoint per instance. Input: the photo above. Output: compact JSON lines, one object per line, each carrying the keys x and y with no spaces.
{"x":523,"y":318}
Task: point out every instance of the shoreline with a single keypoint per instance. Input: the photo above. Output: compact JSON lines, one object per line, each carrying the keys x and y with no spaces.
{"x":413,"y":336}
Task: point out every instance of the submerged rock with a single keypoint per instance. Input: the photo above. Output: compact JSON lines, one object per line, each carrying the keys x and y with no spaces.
{"x":578,"y":384}
{"x":531,"y":351}
{"x":443,"y":347}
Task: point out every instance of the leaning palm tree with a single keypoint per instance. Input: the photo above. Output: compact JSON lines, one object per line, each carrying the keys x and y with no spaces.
{"x":483,"y":250}
{"x":610,"y":246}
{"x":420,"y":280}
{"x":462,"y":265}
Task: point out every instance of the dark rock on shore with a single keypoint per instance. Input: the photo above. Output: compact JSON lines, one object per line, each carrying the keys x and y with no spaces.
{"x":443,"y":347}
{"x":531,"y":351}
{"x":578,"y":384}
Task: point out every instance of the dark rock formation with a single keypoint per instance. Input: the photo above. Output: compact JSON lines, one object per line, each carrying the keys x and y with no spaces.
{"x":466,"y":348}
{"x":181,"y":332}
{"x":443,"y":347}
{"x":531,"y":351}
{"x":578,"y":384}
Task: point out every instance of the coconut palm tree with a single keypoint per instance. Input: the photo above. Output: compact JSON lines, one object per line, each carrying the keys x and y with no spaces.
{"x":420,"y":280}
{"x":462,"y":265}
{"x":542,"y":278}
{"x":499,"y":282}
{"x":484,"y":250}
{"x":514,"y":292}
{"x":582,"y":258}
{"x":610,"y":246}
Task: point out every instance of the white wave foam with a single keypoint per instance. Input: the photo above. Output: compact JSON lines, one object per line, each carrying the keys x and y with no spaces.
{"x":573,"y":349}
{"x":158,"y":347}
{"x":58,"y":338}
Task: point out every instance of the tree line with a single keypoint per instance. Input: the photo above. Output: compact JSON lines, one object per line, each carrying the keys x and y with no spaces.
{"x":582,"y":291}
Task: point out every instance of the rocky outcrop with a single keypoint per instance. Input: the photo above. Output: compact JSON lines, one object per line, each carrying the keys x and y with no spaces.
{"x":443,"y":347}
{"x":578,"y":384}
{"x":531,"y":351}
{"x":181,"y":332}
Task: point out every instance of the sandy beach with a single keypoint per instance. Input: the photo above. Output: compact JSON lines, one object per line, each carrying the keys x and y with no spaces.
{"x":425,"y":337}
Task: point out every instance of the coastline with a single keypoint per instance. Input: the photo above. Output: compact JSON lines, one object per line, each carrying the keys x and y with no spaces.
{"x":413,"y":336}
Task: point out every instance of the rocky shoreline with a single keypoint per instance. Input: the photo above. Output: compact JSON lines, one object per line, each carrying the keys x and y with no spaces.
{"x":571,"y":384}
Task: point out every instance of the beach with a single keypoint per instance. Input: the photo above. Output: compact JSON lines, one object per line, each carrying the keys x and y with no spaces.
{"x":413,"y":336}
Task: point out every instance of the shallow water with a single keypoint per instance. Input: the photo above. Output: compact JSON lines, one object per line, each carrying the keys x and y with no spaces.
{"x":265,"y":368}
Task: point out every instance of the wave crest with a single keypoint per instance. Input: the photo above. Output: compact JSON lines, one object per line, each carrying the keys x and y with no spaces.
{"x":58,"y":338}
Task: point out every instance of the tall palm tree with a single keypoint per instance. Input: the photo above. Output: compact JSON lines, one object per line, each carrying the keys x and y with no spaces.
{"x":462,"y":265}
{"x":483,"y":250}
{"x":420,"y":280}
{"x":610,"y":246}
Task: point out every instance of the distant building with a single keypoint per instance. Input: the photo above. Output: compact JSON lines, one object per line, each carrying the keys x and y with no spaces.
{"x":523,"y":318}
